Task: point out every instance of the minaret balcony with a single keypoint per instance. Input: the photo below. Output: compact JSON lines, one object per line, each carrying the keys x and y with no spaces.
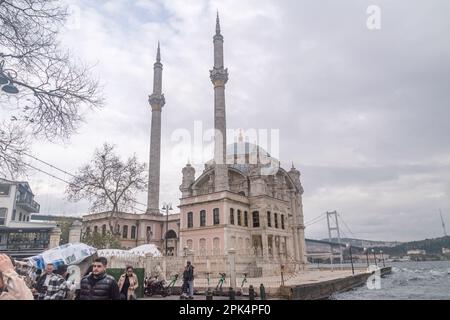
{"x":157,"y":100}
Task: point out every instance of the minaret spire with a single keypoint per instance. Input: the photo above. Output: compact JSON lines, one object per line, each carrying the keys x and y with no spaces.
{"x":217,"y":24}
{"x":157,"y":102}
{"x":158,"y":54}
{"x":219,"y":77}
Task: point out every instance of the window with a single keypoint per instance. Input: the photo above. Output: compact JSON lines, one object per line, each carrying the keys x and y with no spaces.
{"x":190,"y":244}
{"x":202,"y":246}
{"x":202,"y":218}
{"x":4,"y":189}
{"x":269,"y":222}
{"x":216,"y":246}
{"x":20,"y":216}
{"x":3,"y":212}
{"x":246,"y":218}
{"x":133,"y":232}
{"x":275,"y":217}
{"x":216,"y":216}
{"x":104,"y":230}
{"x":28,"y":218}
{"x":88,"y":231}
{"x":14,"y":215}
{"x":190,"y":220}
{"x":239,"y":218}
{"x":231,"y":216}
{"x":282,"y":221}
{"x":255,"y":219}
{"x":125,"y":232}
{"x":118,"y":229}
{"x":95,"y":229}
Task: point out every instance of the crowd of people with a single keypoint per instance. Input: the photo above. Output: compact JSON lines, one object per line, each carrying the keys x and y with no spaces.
{"x":18,"y":281}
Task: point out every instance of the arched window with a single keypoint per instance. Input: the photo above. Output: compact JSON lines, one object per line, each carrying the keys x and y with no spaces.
{"x":255,"y":219}
{"x":125,"y":232}
{"x":133,"y":232}
{"x":202,"y":218}
{"x":20,"y":216}
{"x":118,"y":229}
{"x":95,"y":229}
{"x":240,"y":245}
{"x":231,"y":216}
{"x":216,"y":246}
{"x":216,"y":216}
{"x":233,"y":242}
{"x":202,"y":247}
{"x":275,"y":218}
{"x":104,"y":230}
{"x":282,"y":221}
{"x":239,"y":218}
{"x":246,"y":218}
{"x":88,"y":231}
{"x":269,"y":219}
{"x":190,"y":220}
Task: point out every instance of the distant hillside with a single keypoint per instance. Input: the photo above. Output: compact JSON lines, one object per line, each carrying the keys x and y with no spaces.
{"x":431,"y":246}
{"x":366,"y":243}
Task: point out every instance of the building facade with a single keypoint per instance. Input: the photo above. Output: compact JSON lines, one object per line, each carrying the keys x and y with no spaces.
{"x":18,"y":235}
{"x":243,"y":200}
{"x":134,"y":229}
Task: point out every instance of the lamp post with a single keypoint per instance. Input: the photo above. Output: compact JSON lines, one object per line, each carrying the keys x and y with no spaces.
{"x":349,"y":247}
{"x":366,"y":251}
{"x":167,"y":207}
{"x":374,"y":257}
{"x":382,"y":258}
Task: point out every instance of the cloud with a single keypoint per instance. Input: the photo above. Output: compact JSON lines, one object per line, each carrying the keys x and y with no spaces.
{"x":363,"y":114}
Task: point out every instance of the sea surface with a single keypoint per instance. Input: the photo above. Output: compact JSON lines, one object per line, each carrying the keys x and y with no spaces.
{"x":422,"y":280}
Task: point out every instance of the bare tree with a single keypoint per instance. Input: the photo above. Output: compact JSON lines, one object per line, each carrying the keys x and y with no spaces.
{"x":54,"y":90}
{"x":13,"y":145}
{"x":109,"y":183}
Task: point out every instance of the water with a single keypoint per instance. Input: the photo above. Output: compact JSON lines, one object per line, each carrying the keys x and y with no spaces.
{"x":426,"y":280}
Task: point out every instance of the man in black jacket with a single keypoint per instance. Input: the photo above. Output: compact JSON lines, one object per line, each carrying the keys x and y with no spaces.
{"x":188,"y":277}
{"x":99,"y":285}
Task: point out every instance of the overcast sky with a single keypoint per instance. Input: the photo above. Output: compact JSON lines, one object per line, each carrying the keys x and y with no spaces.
{"x":364,"y":114}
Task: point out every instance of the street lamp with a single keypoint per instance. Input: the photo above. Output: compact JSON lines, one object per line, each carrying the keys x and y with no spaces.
{"x":351,"y":258}
{"x":382,"y":257}
{"x":5,"y":79}
{"x":374,"y":257}
{"x":167,"y":207}
{"x":366,"y":251}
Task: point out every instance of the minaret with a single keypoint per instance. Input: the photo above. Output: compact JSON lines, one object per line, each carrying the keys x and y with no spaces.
{"x":157,"y":102}
{"x":219,"y":77}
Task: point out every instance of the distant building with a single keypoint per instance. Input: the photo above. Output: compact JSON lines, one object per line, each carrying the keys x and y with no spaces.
{"x":416,"y":252}
{"x":19,"y":236}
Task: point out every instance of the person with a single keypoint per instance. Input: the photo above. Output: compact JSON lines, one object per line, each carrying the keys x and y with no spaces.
{"x":98,"y":285}
{"x":12,"y":287}
{"x":42,"y":282}
{"x":58,"y":288}
{"x":128,"y":283}
{"x":188,"y":279}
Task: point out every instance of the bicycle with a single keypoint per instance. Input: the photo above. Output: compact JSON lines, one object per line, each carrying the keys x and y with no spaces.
{"x":221,"y":281}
